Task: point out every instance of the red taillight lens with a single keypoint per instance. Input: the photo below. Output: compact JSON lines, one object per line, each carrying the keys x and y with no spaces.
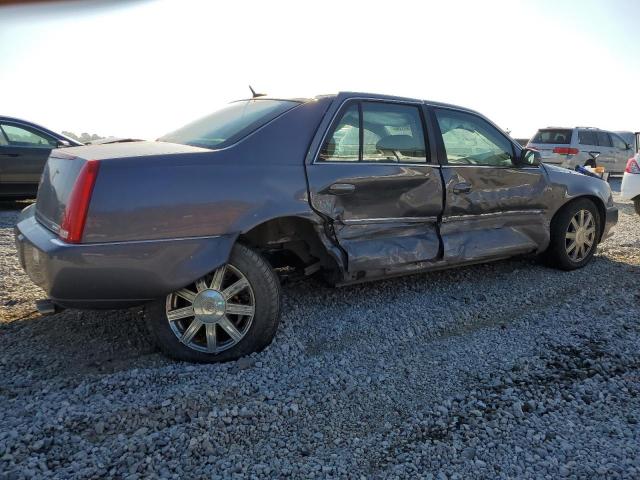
{"x":75,"y":214}
{"x":632,"y":166}
{"x":566,"y":151}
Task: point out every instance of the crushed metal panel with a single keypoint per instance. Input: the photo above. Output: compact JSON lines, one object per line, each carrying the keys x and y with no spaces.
{"x":382,"y":245}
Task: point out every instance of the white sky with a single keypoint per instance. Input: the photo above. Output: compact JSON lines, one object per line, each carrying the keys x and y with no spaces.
{"x":143,"y":68}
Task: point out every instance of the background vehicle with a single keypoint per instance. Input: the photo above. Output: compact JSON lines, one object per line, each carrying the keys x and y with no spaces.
{"x":630,"y":189}
{"x":24,"y":149}
{"x":354,"y":186}
{"x":568,"y":147}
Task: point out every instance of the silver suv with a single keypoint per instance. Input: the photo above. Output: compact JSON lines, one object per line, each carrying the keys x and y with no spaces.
{"x":568,"y":147}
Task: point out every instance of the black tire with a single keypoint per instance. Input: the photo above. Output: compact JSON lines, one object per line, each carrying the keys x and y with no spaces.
{"x":636,"y":204}
{"x":266,"y":291}
{"x":556,"y":255}
{"x":590,"y":163}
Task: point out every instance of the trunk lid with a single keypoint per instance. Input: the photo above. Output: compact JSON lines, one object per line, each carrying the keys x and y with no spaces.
{"x":64,"y":166}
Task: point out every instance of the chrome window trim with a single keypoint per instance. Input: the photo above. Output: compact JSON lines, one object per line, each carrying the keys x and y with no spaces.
{"x":416,"y":103}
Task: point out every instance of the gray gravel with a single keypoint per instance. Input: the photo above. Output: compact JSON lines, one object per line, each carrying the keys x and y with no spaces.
{"x":508,"y":370}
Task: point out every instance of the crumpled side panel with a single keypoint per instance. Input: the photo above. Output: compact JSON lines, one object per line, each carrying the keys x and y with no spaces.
{"x":375,"y":246}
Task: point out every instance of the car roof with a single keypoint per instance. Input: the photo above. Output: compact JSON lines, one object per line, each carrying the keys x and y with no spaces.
{"x":350,"y":94}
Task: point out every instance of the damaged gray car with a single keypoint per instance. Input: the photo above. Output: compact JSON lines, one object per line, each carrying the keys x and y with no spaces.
{"x":199,"y":225}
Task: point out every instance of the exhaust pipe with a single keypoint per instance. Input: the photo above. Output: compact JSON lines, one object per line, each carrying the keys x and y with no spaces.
{"x":46,"y":307}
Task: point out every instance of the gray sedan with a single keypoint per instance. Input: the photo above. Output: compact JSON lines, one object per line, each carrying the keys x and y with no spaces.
{"x":200,"y":225}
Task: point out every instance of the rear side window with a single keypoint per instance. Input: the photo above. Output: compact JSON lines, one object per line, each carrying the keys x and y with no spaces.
{"x":376,"y":132}
{"x":586,"y":137}
{"x":553,"y":135}
{"x":230,"y":124}
{"x":603,"y":139}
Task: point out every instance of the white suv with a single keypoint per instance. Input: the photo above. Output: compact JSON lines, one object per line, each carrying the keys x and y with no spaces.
{"x":569,"y":147}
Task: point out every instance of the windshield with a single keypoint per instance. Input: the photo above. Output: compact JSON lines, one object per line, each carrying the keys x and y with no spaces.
{"x":553,"y":136}
{"x":230,"y":124}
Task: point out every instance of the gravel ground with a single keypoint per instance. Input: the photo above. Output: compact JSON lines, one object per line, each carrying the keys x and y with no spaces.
{"x":507,"y":370}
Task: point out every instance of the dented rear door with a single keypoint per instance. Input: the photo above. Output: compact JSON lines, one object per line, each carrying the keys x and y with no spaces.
{"x":373,"y":181}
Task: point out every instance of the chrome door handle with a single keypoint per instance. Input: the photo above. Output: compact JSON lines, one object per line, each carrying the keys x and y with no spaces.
{"x":342,"y":188}
{"x":461,"y":188}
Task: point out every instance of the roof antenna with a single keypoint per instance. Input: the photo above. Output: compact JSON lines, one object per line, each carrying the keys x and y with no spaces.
{"x":256,"y":95}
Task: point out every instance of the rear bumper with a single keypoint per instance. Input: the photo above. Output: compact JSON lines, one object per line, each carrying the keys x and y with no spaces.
{"x":630,"y":187}
{"x":113,"y":275}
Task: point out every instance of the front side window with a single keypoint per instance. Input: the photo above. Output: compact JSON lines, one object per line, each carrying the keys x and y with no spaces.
{"x":23,"y":137}
{"x":618,"y":142}
{"x":586,"y":137}
{"x":603,"y":139}
{"x":470,"y":140}
{"x":376,"y":132}
{"x":230,"y":124}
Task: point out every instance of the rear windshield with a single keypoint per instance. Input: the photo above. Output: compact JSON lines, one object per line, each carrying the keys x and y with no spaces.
{"x":553,"y":135}
{"x":230,"y":124}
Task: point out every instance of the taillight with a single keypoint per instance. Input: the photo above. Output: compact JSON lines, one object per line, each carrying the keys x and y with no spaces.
{"x":75,"y":213}
{"x":566,"y":151}
{"x":632,"y":166}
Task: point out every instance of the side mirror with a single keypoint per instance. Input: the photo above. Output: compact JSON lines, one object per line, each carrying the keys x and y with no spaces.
{"x":530,"y":158}
{"x":63,"y":144}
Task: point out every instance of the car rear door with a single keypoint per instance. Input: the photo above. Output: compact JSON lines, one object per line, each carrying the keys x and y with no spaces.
{"x":493,"y":207}
{"x":23,"y":153}
{"x":375,"y":181}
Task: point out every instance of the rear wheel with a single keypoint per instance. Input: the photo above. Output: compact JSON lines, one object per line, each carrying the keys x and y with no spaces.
{"x":574,"y":235}
{"x":636,"y":204}
{"x":231,"y":312}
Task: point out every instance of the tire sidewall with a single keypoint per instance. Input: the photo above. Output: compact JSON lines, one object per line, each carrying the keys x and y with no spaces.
{"x":559,"y":227}
{"x":266,"y":291}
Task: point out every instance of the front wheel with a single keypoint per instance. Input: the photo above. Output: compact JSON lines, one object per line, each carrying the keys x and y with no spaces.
{"x":575,"y":232}
{"x":230,"y":313}
{"x":636,"y":204}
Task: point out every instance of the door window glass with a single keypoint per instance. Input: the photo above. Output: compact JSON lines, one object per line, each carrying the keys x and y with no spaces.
{"x":603,"y":139}
{"x":618,"y":142}
{"x":22,"y":137}
{"x":390,"y":133}
{"x":586,"y":137}
{"x":343,"y":144}
{"x":470,"y":140}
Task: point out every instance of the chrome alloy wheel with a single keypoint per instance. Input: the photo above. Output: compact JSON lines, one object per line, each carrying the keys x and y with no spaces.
{"x":581,"y":235}
{"x":214,"y":313}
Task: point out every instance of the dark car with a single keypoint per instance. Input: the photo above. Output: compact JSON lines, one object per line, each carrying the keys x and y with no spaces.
{"x":24,"y":149}
{"x":354,"y":187}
